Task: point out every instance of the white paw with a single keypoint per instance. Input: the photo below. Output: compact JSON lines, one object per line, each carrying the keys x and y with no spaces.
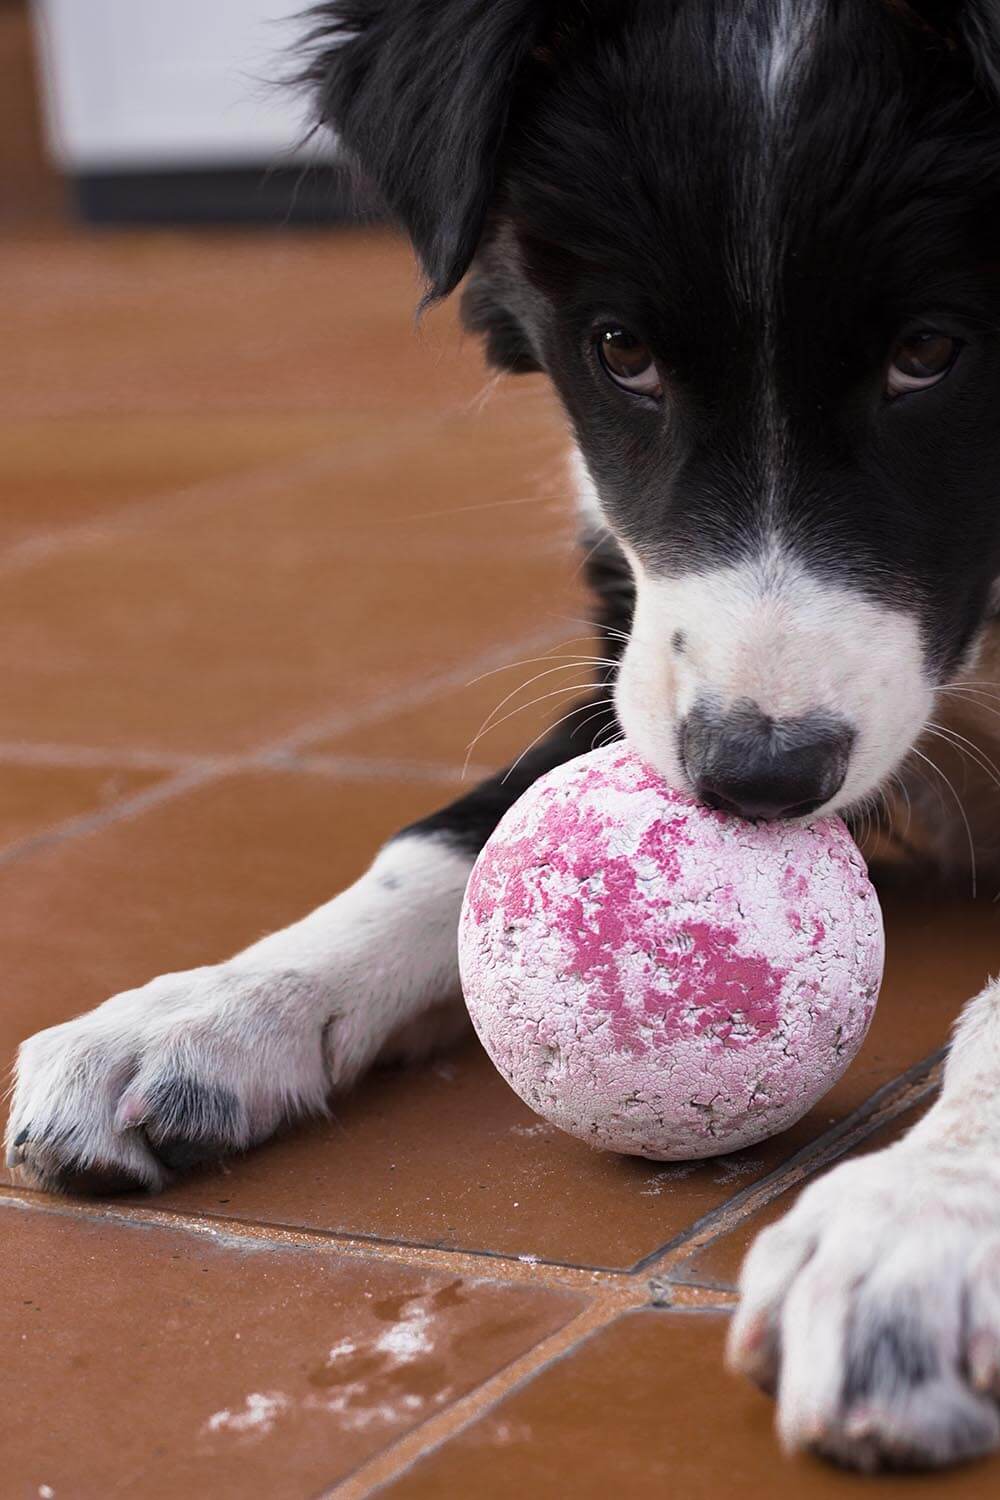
{"x":873,"y":1310}
{"x":187,"y":1069}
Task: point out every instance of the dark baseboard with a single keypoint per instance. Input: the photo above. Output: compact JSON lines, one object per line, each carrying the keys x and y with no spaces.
{"x":318,"y":195}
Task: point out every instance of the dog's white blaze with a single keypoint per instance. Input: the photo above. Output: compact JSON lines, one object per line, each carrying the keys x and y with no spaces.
{"x":781,"y":65}
{"x":788,"y":47}
{"x":763,"y":56}
{"x":769,"y":631}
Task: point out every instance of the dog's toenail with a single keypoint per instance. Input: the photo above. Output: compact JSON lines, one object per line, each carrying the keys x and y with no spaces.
{"x":130,"y":1112}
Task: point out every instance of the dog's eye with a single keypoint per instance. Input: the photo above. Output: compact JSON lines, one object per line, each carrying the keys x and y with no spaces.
{"x":919,"y":361}
{"x":628,"y":361}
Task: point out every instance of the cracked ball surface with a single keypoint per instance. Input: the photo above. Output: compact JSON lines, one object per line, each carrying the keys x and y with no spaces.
{"x":661,"y":979}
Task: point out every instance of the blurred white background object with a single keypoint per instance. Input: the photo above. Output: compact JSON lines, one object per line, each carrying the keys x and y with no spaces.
{"x":148,"y":85}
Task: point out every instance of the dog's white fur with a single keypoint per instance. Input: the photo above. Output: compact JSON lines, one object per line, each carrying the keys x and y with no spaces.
{"x":305,"y":1011}
{"x":794,"y":29}
{"x":912,"y":1234}
{"x":279,"y":1027}
{"x":765,"y":630}
{"x":768,"y":631}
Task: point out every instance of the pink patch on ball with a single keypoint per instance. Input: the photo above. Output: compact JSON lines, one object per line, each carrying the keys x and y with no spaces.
{"x":661,"y":979}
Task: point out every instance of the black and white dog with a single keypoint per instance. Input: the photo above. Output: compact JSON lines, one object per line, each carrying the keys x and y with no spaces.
{"x":756,"y":246}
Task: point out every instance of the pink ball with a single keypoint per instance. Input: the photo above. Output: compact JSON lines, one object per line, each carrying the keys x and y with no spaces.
{"x":661,"y":979}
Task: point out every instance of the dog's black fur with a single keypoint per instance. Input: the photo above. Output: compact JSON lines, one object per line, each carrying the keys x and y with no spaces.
{"x":624,"y":164}
{"x":773,"y":200}
{"x":617,"y":161}
{"x":613,"y":161}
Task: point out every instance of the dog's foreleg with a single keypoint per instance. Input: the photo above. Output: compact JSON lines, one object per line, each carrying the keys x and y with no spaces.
{"x":195,"y":1065}
{"x":873,"y":1307}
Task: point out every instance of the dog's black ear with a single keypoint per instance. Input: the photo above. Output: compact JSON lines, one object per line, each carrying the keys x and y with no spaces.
{"x":419,"y":93}
{"x":506,"y":345}
{"x":981,"y":28}
{"x":971,"y":26}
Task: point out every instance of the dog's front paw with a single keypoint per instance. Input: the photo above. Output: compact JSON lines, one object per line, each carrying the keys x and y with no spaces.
{"x":873,"y":1311}
{"x":187,"y":1069}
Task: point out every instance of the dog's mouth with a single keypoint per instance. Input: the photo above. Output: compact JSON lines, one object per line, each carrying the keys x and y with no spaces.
{"x":768,"y":692}
{"x":737,"y":759}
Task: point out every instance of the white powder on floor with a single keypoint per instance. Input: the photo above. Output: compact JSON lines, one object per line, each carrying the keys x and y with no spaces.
{"x":259,"y":1414}
{"x":408,"y":1338}
{"x":343,"y":1349}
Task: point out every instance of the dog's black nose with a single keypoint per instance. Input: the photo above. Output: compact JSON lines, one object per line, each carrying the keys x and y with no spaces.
{"x":743,"y":762}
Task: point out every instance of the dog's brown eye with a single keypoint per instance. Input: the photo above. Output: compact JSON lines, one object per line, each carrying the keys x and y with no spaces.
{"x":920,"y":361}
{"x":628,"y":361}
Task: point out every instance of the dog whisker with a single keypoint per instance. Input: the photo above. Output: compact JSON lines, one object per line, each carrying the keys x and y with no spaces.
{"x":976,"y":698}
{"x":606,"y":736}
{"x":581,"y":708}
{"x":531,"y":661}
{"x":961,"y":809}
{"x":584,"y":666}
{"x":571,"y":663}
{"x":491,"y":724}
{"x":585,"y":559}
{"x":608,"y":630}
{"x":932,"y":787}
{"x":967,"y":748}
{"x":467,"y":510}
{"x":601,"y":712}
{"x":900,"y":785}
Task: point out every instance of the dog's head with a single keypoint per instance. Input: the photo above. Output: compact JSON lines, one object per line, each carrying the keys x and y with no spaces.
{"x":756,"y":246}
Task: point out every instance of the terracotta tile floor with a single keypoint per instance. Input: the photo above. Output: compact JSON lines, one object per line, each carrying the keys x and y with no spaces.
{"x":262,"y":552}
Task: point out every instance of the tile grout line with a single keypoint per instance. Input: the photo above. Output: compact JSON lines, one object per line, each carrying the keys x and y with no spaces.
{"x":131,"y":515}
{"x":390,"y":1462}
{"x":270,"y":755}
{"x":257,"y":478}
{"x":907,"y":1089}
{"x":608,"y":1294}
{"x":49,"y":753}
{"x":247,"y":1235}
{"x":410,"y":696}
{"x":633,"y":1283}
{"x":617,"y":1289}
{"x":122,"y":810}
{"x":43,"y":754}
{"x":313,"y":458}
{"x":387,"y":768}
{"x":250,"y":1234}
{"x":398,"y":1458}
